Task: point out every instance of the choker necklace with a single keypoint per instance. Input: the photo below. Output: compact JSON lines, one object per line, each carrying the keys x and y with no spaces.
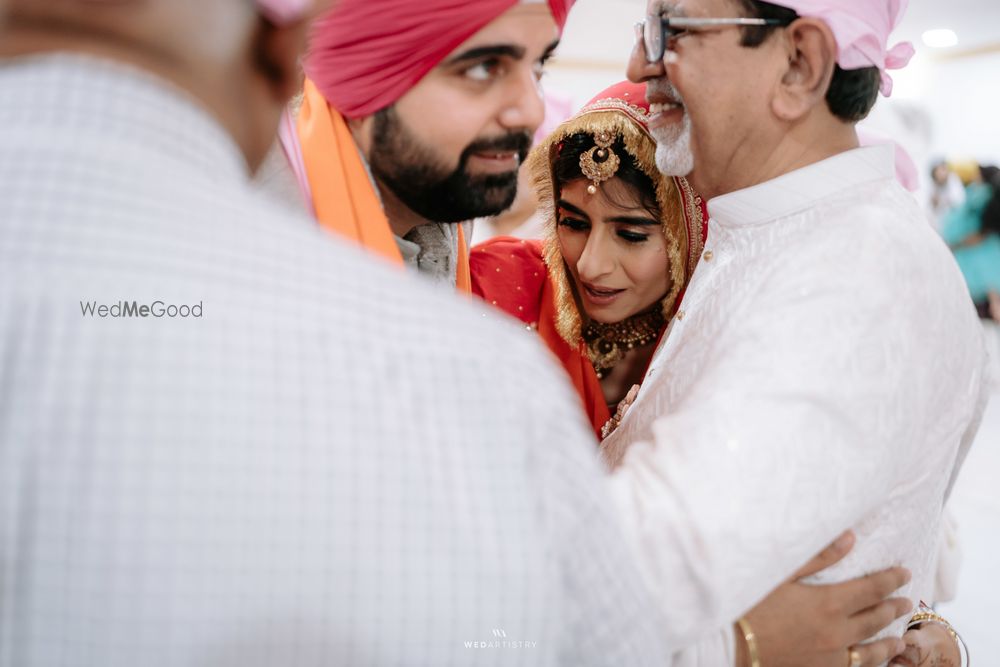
{"x":607,"y":344}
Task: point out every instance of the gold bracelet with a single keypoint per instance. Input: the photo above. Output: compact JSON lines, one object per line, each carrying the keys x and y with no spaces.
{"x":928,"y":615}
{"x":751,"y":640}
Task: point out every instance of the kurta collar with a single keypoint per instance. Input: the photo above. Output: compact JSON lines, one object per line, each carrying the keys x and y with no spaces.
{"x":801,"y":189}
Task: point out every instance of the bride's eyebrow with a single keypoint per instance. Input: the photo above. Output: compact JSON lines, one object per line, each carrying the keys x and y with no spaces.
{"x":630,"y":220}
{"x":562,"y":203}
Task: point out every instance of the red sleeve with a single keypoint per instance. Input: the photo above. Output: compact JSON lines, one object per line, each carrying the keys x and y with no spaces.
{"x":510,"y":274}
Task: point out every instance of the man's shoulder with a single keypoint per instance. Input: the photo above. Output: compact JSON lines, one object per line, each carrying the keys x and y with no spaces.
{"x":338,"y":283}
{"x":877,"y":228}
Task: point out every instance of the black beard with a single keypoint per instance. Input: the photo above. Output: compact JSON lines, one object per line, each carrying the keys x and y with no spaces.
{"x":415,"y":177}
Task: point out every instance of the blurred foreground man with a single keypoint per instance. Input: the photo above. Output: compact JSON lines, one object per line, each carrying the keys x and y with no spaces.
{"x":228,"y":439}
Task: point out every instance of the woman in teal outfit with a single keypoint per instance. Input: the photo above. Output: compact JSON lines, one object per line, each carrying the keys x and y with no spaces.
{"x":972,"y":230}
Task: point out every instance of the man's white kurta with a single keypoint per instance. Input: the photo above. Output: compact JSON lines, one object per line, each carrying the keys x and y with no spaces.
{"x":826,"y":372}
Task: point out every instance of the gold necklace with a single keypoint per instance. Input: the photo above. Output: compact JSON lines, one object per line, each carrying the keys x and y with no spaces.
{"x":607,"y":344}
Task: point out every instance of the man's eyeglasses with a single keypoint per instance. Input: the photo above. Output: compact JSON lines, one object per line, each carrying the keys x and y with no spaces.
{"x":658,"y":32}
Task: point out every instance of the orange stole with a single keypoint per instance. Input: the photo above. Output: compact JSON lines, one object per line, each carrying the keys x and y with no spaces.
{"x":344,"y":198}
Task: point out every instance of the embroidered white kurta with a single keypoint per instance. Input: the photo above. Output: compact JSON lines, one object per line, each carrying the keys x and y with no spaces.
{"x":322,"y":469}
{"x":826,"y":371}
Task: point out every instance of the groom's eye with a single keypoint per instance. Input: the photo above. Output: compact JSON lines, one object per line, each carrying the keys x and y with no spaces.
{"x":483,"y":71}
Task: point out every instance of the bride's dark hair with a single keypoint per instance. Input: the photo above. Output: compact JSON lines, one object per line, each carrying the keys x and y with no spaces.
{"x":566,"y":169}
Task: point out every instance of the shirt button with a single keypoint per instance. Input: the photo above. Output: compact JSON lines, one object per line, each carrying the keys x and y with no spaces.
{"x":681,"y":314}
{"x":708,"y":255}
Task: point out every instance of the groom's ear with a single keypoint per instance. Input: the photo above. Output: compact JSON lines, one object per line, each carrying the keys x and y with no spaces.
{"x":811,"y":51}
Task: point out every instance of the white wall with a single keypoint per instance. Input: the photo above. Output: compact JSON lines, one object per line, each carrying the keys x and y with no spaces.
{"x":963,"y":99}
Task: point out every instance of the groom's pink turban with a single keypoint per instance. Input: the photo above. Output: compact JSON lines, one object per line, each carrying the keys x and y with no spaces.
{"x":366,"y":54}
{"x":862,"y":29}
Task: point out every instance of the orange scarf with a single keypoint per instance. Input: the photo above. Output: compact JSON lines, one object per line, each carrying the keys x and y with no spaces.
{"x":343,"y":195}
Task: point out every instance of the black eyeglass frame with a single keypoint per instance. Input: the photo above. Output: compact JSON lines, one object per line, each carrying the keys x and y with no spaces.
{"x":657,"y":30}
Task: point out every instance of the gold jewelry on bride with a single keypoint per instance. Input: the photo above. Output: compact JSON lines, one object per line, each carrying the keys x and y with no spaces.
{"x":853,"y":658}
{"x":600,"y":163}
{"x":607,"y":344}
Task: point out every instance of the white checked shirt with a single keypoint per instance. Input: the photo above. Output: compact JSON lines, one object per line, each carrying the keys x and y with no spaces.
{"x":826,"y":371}
{"x":322,"y":469}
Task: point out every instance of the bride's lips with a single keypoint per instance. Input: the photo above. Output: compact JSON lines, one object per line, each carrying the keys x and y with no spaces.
{"x":600,"y":296}
{"x":664,"y":112}
{"x":495,"y":162}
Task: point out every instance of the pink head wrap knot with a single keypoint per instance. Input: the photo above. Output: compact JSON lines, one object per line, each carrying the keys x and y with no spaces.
{"x":365,"y":54}
{"x":862,"y":29}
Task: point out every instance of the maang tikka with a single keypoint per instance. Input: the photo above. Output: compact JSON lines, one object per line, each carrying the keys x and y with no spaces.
{"x":600,"y":163}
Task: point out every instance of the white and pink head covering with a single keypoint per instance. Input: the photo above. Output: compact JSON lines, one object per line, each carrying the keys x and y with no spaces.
{"x":862,"y":29}
{"x":283,"y":12}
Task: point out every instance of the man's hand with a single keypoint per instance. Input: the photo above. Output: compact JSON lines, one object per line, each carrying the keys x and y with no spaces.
{"x":802,"y":624}
{"x":929,"y":646}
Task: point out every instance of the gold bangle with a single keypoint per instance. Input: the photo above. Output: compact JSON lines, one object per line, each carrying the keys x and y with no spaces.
{"x":751,"y":640}
{"x":926,"y":615}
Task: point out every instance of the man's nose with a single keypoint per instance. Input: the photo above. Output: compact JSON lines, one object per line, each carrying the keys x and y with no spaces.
{"x":640,"y":69}
{"x":525,"y":108}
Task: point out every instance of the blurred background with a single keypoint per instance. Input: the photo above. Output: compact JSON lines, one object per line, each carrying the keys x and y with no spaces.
{"x":945,"y":107}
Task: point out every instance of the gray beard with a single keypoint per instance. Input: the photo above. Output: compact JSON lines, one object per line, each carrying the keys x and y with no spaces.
{"x":673,"y":149}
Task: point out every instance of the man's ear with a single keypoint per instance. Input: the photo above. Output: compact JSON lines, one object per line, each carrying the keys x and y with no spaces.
{"x":277,"y":52}
{"x":812,"y":57}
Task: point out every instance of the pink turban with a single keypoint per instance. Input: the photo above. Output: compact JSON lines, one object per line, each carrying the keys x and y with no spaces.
{"x":366,"y":54}
{"x":283,"y":12}
{"x":862,"y":29}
